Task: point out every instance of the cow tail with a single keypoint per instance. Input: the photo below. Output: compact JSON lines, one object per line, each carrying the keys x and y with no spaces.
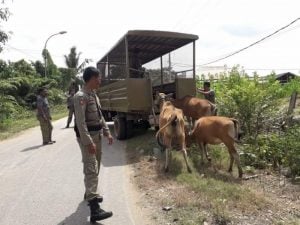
{"x":236,"y":129}
{"x":172,"y":120}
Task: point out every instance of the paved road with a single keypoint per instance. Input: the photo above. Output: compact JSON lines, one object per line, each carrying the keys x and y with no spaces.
{"x":43,"y":185}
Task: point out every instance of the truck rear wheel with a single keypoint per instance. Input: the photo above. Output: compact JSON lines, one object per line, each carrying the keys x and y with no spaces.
{"x":129,"y":128}
{"x":145,"y":124}
{"x":120,"y":128}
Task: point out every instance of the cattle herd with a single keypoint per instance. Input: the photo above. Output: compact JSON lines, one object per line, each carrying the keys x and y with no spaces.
{"x":205,"y":127}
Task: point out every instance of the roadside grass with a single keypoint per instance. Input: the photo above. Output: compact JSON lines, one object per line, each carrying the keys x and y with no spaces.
{"x":207,"y":194}
{"x":27,"y":120}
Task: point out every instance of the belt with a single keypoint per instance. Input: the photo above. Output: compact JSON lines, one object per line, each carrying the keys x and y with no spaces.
{"x":94,"y":127}
{"x":90,"y":128}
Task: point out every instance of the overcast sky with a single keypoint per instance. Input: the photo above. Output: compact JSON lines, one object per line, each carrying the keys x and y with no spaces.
{"x":93,"y":26}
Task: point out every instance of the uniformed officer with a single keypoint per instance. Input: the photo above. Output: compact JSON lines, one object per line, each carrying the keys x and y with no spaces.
{"x":70,"y":103}
{"x":43,"y":115}
{"x":89,"y":123}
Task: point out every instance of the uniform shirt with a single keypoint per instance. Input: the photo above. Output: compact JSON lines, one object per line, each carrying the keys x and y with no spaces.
{"x":43,"y":104}
{"x":70,"y":102}
{"x":210,"y":96}
{"x":88,"y":114}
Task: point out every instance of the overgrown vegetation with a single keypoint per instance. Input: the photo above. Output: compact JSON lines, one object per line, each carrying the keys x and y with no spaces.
{"x":19,"y":82}
{"x":27,"y":120}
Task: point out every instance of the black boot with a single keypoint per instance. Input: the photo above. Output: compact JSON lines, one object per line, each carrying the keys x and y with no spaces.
{"x":96,"y":212}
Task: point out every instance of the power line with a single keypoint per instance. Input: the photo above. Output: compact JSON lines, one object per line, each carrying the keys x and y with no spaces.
{"x":19,"y":50}
{"x":29,"y":52}
{"x":203,"y":16}
{"x":255,"y":43}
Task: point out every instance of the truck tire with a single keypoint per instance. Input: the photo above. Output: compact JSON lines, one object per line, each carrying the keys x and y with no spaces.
{"x":145,"y":124}
{"x":129,"y":128}
{"x":120,"y":128}
{"x":105,"y":115}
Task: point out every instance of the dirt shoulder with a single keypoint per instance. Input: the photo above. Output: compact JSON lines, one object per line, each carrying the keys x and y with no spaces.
{"x":207,"y":196}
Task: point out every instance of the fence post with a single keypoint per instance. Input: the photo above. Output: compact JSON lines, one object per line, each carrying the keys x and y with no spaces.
{"x":292,"y":104}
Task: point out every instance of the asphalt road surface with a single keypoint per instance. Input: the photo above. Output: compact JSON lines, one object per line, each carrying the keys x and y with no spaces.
{"x":43,"y":185}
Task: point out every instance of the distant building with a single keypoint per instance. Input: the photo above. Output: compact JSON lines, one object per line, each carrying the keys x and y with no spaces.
{"x":285,"y":77}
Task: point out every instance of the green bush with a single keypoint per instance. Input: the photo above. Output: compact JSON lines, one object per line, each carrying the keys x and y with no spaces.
{"x":56,"y":96}
{"x":251,"y":101}
{"x":19,"y":82}
{"x":283,"y":149}
{"x":8,"y":107}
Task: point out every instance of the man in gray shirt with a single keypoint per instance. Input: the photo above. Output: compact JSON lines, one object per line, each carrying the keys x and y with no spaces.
{"x":207,"y":92}
{"x":70,"y":103}
{"x":43,"y":115}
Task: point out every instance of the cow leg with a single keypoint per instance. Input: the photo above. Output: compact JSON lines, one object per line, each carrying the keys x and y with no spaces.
{"x":206,"y":153}
{"x":186,"y":161}
{"x":167,"y":160}
{"x":234,"y":156}
{"x":237,"y":161}
{"x":231,"y":162}
{"x":190,"y":125}
{"x":231,"y":151}
{"x":190,"y":122}
{"x":168,"y":150}
{"x":183,"y":149}
{"x":209,"y":158}
{"x":201,"y":146}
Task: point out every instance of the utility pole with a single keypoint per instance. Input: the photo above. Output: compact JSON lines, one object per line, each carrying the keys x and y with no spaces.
{"x":45,"y":49}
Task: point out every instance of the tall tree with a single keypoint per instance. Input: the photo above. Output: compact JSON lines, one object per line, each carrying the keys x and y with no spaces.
{"x":39,"y":67}
{"x":4,"y":14}
{"x":72,"y":59}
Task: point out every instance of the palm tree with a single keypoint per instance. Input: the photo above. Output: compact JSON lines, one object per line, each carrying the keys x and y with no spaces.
{"x":72,"y":60}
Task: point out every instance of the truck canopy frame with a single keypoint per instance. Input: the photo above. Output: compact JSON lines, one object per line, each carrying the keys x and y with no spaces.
{"x":151,"y":45}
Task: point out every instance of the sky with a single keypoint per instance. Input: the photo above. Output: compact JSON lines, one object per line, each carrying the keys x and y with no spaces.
{"x":94,"y":26}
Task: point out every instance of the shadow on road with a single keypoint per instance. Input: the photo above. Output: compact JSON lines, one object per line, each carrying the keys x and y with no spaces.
{"x":79,"y":217}
{"x":65,"y":128}
{"x":117,"y":154}
{"x":32,"y":148}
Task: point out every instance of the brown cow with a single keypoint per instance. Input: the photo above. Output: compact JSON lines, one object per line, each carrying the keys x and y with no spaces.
{"x":216,"y":130}
{"x":195,"y":108}
{"x":171,"y":124}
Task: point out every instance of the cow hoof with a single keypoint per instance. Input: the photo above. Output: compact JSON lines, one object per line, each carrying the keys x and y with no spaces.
{"x":229,"y":170}
{"x":209,"y":159}
{"x":189,"y":170}
{"x":166,"y":169}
